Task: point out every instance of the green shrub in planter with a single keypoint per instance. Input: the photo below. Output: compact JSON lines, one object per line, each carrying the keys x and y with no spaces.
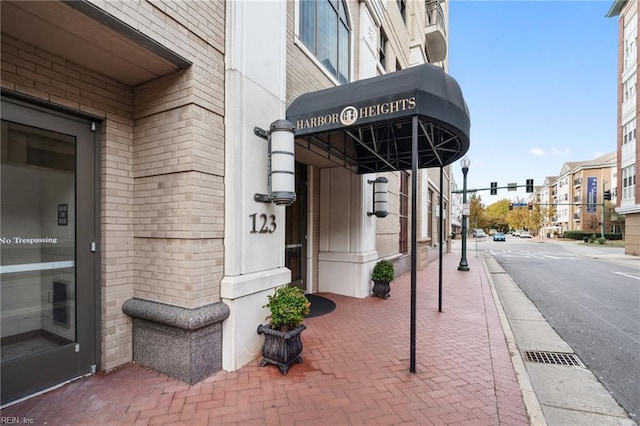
{"x":288,"y":306}
{"x":383,"y":271}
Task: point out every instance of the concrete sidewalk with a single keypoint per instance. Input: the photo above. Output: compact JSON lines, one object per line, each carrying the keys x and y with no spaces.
{"x":355,"y":371}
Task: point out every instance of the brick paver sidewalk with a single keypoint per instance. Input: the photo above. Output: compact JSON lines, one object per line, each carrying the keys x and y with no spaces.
{"x":355,"y":371}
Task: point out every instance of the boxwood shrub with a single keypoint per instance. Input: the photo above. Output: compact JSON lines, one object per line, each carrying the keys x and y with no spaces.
{"x":581,"y":235}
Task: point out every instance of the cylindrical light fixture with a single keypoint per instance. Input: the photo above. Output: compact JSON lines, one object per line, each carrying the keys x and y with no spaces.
{"x":282,"y":163}
{"x":380,"y":189}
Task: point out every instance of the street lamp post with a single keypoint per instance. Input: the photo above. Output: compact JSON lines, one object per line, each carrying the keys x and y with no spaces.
{"x":465,"y":163}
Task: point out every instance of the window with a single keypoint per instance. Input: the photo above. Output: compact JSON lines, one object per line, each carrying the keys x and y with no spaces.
{"x":404,"y":213}
{"x":630,"y":44}
{"x":629,"y":88}
{"x":402,"y":5}
{"x":324,"y":30}
{"x":628,"y":182}
{"x":382,"y":48}
{"x":629,"y":132}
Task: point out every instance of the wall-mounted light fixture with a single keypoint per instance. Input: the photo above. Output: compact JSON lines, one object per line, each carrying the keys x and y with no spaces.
{"x":380,"y":187}
{"x":282,"y":179}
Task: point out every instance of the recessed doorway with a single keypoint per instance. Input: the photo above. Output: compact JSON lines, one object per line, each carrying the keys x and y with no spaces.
{"x":296,"y":231}
{"x":47,"y":251}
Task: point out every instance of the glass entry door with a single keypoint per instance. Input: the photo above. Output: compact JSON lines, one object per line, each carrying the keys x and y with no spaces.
{"x":46,"y":254}
{"x":296,"y":231}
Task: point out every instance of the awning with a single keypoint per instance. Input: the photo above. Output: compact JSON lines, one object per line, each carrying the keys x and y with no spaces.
{"x":368,"y":123}
{"x":88,"y":35}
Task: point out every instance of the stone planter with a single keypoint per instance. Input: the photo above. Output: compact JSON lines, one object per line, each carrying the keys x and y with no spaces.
{"x":381,"y":288}
{"x":281,"y":348}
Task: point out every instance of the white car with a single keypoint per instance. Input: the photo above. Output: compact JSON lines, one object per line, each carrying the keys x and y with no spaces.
{"x":525,"y":234}
{"x":479,"y":233}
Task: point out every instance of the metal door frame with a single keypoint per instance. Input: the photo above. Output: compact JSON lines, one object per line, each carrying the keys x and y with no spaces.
{"x":28,"y":375}
{"x":301,"y":197}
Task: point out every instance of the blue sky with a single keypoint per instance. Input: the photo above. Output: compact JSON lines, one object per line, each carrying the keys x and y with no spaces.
{"x":540,"y":81}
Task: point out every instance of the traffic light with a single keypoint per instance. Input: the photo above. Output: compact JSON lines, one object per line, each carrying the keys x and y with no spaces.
{"x":530,"y":205}
{"x":529,"y":185}
{"x":510,"y":206}
{"x":494,"y":188}
{"x":607,"y":195}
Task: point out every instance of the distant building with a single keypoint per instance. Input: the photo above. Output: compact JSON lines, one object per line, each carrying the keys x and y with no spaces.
{"x":574,"y":198}
{"x":628,"y":194}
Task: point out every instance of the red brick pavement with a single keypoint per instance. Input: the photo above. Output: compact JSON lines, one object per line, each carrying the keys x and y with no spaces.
{"x":355,"y":371}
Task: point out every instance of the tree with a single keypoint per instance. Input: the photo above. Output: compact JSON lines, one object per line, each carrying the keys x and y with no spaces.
{"x":496,"y":214}
{"x":498,"y":209}
{"x":591,"y":222}
{"x":535,"y":218}
{"x":550,"y":214}
{"x":477,"y":216}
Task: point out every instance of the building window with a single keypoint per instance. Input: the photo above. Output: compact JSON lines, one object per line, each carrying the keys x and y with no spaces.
{"x":629,"y":89}
{"x":324,"y":30}
{"x":382,"y":54}
{"x":630,"y":44}
{"x":628,"y":183}
{"x":404,"y":213}
{"x":629,"y":132}
{"x":402,"y":5}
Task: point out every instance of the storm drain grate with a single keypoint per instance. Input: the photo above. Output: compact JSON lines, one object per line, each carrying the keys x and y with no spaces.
{"x":557,"y":358}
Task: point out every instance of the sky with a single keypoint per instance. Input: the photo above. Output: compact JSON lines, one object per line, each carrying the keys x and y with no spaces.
{"x":540,"y":81}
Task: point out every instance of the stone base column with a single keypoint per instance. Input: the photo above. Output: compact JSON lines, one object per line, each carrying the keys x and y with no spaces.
{"x":179,"y":342}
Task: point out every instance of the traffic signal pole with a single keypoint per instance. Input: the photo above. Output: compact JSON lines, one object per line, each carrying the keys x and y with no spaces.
{"x":459,"y":191}
{"x":603,"y":214}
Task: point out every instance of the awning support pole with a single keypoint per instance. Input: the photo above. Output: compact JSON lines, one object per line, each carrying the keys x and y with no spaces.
{"x":414,"y":245}
{"x":440,"y":237}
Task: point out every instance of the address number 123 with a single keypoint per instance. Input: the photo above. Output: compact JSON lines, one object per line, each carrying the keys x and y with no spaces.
{"x":262,"y":224}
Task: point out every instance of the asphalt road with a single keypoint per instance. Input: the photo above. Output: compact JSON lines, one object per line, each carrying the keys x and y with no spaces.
{"x":594,"y":305}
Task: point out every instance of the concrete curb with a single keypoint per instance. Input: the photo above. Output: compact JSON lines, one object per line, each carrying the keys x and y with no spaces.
{"x":534,"y":409}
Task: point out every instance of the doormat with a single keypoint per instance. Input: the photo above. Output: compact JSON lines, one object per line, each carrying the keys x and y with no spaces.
{"x":319,"y":305}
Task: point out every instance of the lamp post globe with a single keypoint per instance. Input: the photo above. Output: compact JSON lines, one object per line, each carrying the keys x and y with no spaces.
{"x":465,"y":163}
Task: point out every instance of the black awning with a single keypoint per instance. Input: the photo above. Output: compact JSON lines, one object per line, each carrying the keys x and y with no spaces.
{"x":368,"y":122}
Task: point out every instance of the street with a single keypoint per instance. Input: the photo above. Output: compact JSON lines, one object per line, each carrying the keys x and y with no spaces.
{"x":593,"y":304}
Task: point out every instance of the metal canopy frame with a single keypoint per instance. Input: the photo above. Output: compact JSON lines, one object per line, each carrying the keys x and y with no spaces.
{"x":407,"y":120}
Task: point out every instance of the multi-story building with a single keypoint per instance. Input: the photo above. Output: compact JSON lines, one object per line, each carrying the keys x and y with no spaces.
{"x":144,"y":215}
{"x":576,"y":196}
{"x":628,"y":194}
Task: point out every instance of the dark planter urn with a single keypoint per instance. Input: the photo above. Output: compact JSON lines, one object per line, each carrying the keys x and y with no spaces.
{"x":381,"y":288}
{"x":281,"y":348}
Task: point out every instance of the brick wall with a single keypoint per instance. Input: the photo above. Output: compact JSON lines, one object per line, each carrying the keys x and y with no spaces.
{"x":162,"y":160}
{"x":30,"y":71}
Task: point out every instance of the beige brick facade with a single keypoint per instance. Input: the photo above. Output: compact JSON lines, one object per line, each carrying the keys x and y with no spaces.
{"x":163,"y":146}
{"x":162,"y":160}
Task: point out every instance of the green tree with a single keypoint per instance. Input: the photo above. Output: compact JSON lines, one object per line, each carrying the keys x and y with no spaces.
{"x":496,"y":215}
{"x":536,"y":217}
{"x":477,"y":216}
{"x":518,"y":217}
{"x":498,"y":209}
